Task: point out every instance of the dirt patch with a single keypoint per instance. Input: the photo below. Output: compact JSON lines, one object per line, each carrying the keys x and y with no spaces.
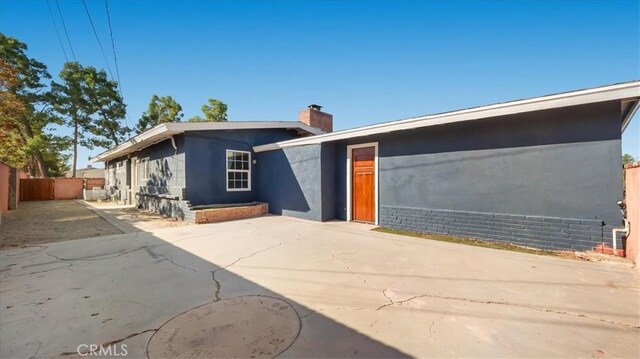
{"x":51,"y":221}
{"x":139,"y":218}
{"x":477,"y":242}
{"x":590,"y":256}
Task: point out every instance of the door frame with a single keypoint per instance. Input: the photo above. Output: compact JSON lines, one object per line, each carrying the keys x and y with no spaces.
{"x":133,"y":180}
{"x":350,"y":149}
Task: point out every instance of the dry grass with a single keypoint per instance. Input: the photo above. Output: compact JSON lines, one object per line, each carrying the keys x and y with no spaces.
{"x":51,"y":221}
{"x":473,"y":242}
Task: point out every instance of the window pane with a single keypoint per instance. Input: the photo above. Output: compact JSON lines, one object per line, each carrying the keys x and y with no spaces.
{"x":230,"y":184}
{"x":244,"y":176}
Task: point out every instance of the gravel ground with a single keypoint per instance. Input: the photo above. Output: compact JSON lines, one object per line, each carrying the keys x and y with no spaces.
{"x":51,"y":221}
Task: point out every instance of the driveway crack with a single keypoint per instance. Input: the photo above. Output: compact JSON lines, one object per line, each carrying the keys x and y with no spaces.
{"x":363,"y":279}
{"x":518,"y":305}
{"x":8,"y":276}
{"x":218,"y":285}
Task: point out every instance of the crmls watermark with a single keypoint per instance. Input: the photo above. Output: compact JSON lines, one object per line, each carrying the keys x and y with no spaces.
{"x":96,"y":350}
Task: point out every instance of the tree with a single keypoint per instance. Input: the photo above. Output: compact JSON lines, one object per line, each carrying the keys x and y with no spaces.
{"x":25,"y":111}
{"x":161,"y":110}
{"x":91,"y":106}
{"x":627,"y":158}
{"x":214,"y":111}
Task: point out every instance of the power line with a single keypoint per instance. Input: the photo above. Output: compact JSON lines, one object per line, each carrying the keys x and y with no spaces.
{"x":95,"y":33}
{"x":113,"y":45}
{"x":64,"y":26}
{"x":115,"y":57}
{"x":57,"y":32}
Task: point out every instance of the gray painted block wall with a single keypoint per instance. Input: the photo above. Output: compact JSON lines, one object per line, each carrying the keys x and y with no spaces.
{"x":167,"y":170}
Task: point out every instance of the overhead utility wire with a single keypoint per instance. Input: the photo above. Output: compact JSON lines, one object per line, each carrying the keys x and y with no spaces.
{"x":66,"y":58}
{"x":115,"y":58}
{"x":64,"y":26}
{"x":113,"y":45}
{"x":95,"y":33}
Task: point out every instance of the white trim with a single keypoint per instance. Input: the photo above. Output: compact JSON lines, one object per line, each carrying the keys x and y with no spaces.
{"x":135,"y":187}
{"x":629,"y":90}
{"x":166,"y":130}
{"x":376,"y":196}
{"x":145,"y":164}
{"x":629,"y":115}
{"x":226,"y":175}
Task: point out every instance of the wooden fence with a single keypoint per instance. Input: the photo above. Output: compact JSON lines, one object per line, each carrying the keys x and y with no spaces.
{"x":36,"y":189}
{"x":45,"y":189}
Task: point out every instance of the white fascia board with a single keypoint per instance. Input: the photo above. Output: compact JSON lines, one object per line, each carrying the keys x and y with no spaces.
{"x":600,"y":94}
{"x":241,"y":125}
{"x":630,"y":114}
{"x":166,"y":130}
{"x":158,"y":131}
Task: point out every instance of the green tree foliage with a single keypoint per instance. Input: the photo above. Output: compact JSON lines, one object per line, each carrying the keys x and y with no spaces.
{"x":90,"y":104}
{"x":214,"y":111}
{"x":627,"y":158}
{"x":25,"y":112}
{"x":161,"y":110}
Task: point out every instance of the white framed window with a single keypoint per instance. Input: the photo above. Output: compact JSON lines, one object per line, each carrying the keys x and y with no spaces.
{"x":120,"y":166}
{"x":238,"y":171}
{"x":144,"y":168}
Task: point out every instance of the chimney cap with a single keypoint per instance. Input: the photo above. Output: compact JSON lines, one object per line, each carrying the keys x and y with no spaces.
{"x":313,"y":106}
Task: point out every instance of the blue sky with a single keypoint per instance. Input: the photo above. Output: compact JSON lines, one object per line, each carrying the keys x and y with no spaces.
{"x":365,"y":62}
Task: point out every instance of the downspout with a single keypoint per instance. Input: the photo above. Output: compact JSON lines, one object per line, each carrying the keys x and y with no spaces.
{"x":173,"y":143}
{"x":615,"y":231}
{"x":175,"y":155}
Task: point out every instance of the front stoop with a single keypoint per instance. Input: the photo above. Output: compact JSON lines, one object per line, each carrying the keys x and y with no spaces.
{"x":213,"y":215}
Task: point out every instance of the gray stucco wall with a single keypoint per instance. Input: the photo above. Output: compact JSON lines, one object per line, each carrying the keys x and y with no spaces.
{"x":559,"y":163}
{"x":556,"y":173}
{"x":290,"y":180}
{"x":206,"y":163}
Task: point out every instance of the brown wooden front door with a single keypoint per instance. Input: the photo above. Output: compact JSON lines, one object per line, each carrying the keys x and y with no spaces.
{"x":363,"y":184}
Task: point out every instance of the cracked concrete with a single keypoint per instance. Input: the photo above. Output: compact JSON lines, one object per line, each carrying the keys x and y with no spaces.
{"x":357,"y":293}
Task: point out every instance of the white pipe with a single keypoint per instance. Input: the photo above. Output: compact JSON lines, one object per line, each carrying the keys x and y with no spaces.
{"x":614,"y":233}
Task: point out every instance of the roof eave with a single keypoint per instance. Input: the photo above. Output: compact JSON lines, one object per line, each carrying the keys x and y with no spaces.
{"x":629,"y":90}
{"x":165,"y":131}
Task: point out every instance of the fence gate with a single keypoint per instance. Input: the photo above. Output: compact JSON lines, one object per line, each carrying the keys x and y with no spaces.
{"x":36,"y":189}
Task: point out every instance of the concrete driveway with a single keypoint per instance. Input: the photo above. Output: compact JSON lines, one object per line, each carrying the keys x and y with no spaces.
{"x":279,"y":286}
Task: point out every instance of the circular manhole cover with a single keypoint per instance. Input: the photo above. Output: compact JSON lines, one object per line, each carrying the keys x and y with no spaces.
{"x":243,"y":327}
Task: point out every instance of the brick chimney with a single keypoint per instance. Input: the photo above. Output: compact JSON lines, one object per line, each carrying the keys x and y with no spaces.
{"x":313,"y":117}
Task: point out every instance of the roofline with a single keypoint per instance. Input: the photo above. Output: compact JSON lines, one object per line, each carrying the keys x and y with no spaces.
{"x":629,"y":115}
{"x":627,"y":90}
{"x":164,"y":131}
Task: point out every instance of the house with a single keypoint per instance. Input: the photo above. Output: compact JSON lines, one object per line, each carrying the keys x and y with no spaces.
{"x":88,"y":172}
{"x":176,"y":166}
{"x":543,"y":172}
